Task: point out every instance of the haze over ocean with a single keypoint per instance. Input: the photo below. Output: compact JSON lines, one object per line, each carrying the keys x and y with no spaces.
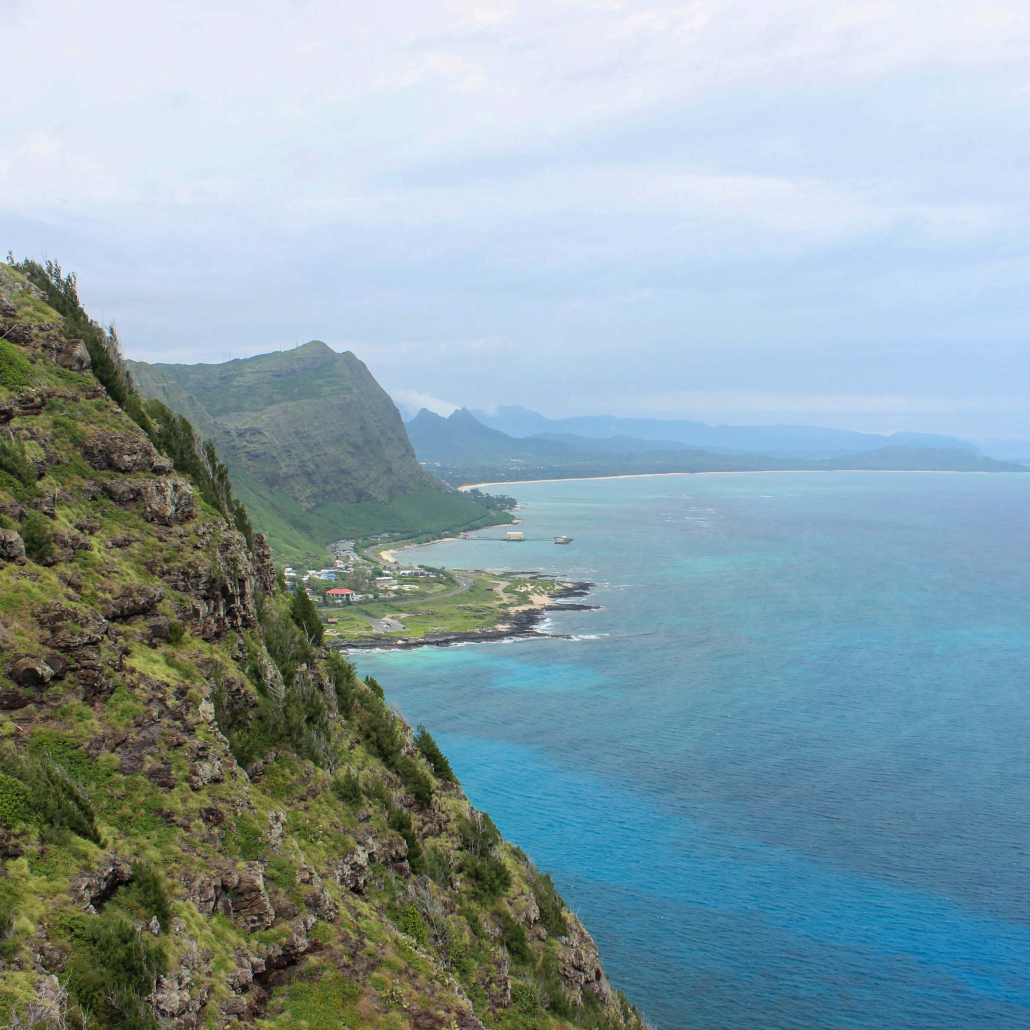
{"x":783,"y":774}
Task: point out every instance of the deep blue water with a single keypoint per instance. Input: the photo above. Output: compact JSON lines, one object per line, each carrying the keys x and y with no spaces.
{"x":784,"y":774}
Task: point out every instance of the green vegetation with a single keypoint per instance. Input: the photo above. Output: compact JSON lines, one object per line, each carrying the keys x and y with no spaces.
{"x":438,"y":608}
{"x":35,"y":533}
{"x":434,"y":756}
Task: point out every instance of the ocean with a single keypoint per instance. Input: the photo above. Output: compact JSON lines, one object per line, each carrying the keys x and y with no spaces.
{"x":783,"y":774}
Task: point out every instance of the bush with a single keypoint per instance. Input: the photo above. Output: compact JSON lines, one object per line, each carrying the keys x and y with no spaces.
{"x":552,"y":909}
{"x":489,"y":874}
{"x":146,"y":895}
{"x":415,"y":781}
{"x":14,"y":462}
{"x":400,"y":821}
{"x":414,"y":925}
{"x":513,"y":937}
{"x":305,"y":616}
{"x":434,"y":756}
{"x":54,"y":799}
{"x":477,"y":833}
{"x":373,"y":684}
{"x":176,"y":631}
{"x":15,"y":800}
{"x":348,"y":788}
{"x":343,"y":678}
{"x":35,"y":533}
{"x":111,"y":970}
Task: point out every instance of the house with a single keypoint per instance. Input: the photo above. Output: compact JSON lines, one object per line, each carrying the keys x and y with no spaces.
{"x":339,"y":595}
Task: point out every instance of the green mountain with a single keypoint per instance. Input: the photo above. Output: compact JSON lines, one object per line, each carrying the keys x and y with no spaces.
{"x":316,"y":448}
{"x":207,"y":819}
{"x":463,"y":450}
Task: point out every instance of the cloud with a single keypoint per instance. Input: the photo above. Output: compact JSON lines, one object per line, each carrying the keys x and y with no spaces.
{"x":557,"y":204}
{"x":412,"y":401}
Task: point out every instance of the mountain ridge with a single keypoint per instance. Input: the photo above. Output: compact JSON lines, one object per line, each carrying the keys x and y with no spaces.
{"x":316,"y":447}
{"x":790,"y":440}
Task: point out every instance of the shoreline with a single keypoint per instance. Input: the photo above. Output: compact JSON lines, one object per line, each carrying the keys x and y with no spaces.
{"x":521,"y":624}
{"x":716,"y":472}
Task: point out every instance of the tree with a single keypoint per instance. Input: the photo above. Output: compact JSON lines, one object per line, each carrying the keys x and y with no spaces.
{"x":434,"y":756}
{"x":305,"y":615}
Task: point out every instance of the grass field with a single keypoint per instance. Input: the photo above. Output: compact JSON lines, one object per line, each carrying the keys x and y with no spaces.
{"x":488,"y":602}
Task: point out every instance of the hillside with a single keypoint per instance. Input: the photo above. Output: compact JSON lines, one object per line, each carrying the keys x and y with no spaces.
{"x":207,"y":818}
{"x":316,"y":448}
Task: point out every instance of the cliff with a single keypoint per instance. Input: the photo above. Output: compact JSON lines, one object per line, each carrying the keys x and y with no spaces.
{"x":206,"y":818}
{"x":316,"y":448}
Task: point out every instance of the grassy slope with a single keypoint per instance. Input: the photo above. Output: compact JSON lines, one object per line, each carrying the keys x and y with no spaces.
{"x":147,"y":758}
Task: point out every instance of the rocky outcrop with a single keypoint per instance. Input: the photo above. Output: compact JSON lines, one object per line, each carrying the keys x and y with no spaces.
{"x":133,"y":601}
{"x":91,"y":890}
{"x":124,"y":452}
{"x":12,"y":547}
{"x":167,"y":501}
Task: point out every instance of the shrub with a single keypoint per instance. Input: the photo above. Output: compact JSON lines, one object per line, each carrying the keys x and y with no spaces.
{"x":55,"y":799}
{"x":305,"y":616}
{"x":477,"y":833}
{"x":343,"y":678}
{"x":35,"y":533}
{"x":111,"y":970}
{"x":434,"y":756}
{"x":348,"y":788}
{"x":176,"y":631}
{"x":415,"y":781}
{"x":14,"y":462}
{"x":14,"y":800}
{"x":437,"y":866}
{"x":400,"y":821}
{"x":287,"y":644}
{"x":489,"y":874}
{"x":146,"y":895}
{"x":552,"y":909}
{"x":513,"y":937}
{"x":373,"y":684}
{"x":414,"y":925}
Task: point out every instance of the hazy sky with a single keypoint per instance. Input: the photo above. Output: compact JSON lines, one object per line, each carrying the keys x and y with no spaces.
{"x":799,"y":210}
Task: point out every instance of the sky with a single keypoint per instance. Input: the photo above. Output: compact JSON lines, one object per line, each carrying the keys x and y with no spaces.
{"x":794,"y":211}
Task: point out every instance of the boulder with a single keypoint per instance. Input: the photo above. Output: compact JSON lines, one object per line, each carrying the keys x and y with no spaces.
{"x":120,"y":452}
{"x":30,"y":672}
{"x":12,"y":547}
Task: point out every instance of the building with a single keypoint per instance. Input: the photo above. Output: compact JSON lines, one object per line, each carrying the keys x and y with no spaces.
{"x":339,"y":595}
{"x":514,"y":535}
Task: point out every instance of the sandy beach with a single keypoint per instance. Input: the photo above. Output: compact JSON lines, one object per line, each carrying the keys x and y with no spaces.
{"x":728,"y":472}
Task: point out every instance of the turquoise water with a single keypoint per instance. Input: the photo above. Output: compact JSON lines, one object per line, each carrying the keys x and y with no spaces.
{"x":784,"y":774}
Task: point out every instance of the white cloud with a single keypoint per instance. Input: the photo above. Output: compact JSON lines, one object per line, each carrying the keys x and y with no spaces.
{"x":412,"y":401}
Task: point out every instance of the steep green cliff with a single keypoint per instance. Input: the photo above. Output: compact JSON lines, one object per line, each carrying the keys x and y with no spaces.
{"x":316,"y":447}
{"x":206,"y":818}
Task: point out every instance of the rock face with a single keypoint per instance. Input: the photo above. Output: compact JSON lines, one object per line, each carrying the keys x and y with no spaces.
{"x":165,"y":501}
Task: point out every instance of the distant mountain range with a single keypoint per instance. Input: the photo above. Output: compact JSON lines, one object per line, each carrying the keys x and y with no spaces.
{"x":316,"y":448}
{"x":776,"y":441}
{"x":462,"y":449}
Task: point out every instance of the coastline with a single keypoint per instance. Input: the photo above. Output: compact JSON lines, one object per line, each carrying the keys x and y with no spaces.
{"x":714,"y":472}
{"x":520,"y":623}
